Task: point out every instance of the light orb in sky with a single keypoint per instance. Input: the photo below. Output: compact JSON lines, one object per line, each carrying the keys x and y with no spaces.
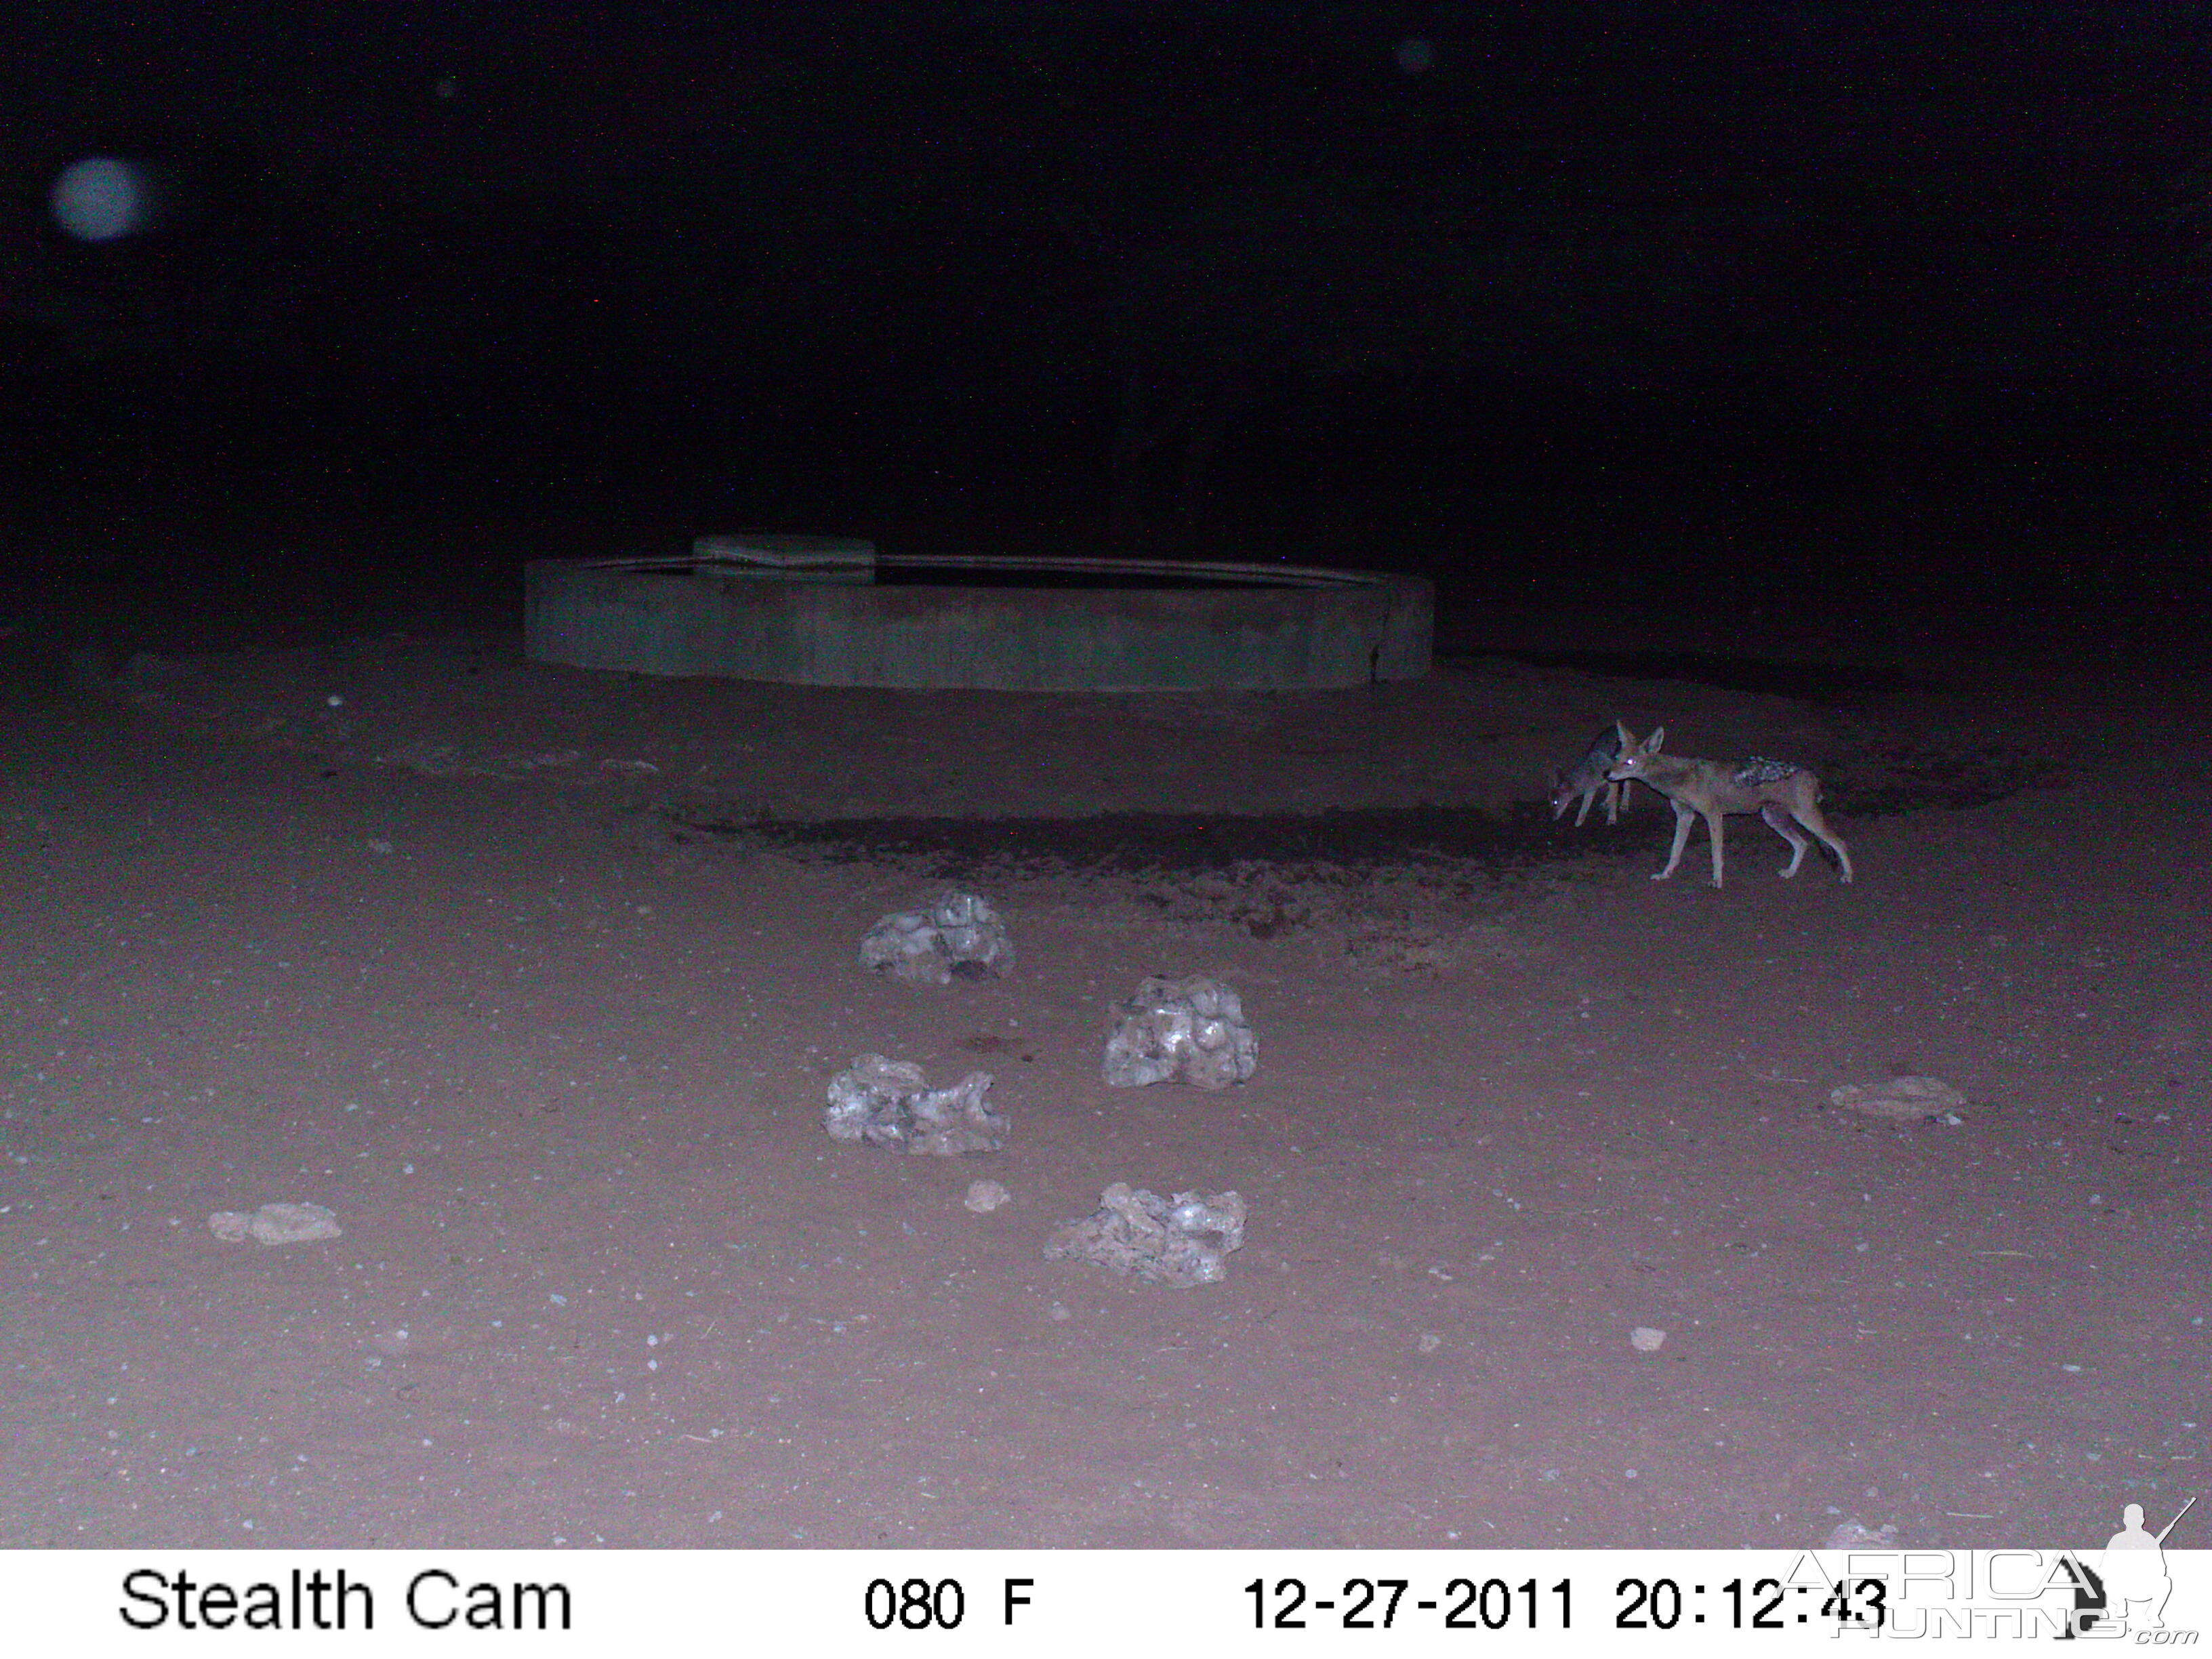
{"x":100,"y":199}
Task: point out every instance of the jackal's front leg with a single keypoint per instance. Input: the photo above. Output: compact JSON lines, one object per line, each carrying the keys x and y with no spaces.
{"x":1683,"y":815}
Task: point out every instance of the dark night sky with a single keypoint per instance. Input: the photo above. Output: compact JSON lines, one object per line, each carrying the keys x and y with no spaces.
{"x":1214,"y":275}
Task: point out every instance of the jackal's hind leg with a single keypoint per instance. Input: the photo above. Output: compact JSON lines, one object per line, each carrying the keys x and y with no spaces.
{"x":1811,"y":819}
{"x":1778,"y":819}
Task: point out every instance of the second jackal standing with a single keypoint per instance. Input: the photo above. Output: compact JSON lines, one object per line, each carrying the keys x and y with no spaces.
{"x":1587,"y":778}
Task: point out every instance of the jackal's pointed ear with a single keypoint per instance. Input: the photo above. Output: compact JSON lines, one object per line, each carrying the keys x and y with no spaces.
{"x":1651,"y":744}
{"x":1627,"y":737}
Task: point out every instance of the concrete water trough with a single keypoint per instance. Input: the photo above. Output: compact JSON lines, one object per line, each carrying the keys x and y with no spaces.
{"x":816,"y":610}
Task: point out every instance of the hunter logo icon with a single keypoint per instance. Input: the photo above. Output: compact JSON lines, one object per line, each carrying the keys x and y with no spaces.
{"x":2136,"y":1583}
{"x":2127,"y":1591}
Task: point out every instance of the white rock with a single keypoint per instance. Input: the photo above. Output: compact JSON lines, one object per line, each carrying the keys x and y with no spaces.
{"x":956,"y":935}
{"x":1190,"y":1029}
{"x":1184,"y":1240}
{"x":985,"y":1196}
{"x":888,"y":1102}
{"x":1903,"y":1099}
{"x":276,"y":1223}
{"x":1852,"y":1534}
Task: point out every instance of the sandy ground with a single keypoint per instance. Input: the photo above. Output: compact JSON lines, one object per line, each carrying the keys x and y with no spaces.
{"x":535,"y":978}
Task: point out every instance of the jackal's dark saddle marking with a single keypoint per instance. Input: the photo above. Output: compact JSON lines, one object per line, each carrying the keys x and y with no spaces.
{"x":1763,"y":768}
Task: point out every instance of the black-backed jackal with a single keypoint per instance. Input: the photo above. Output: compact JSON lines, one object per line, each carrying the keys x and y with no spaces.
{"x":1783,"y":792}
{"x":1588,"y":775}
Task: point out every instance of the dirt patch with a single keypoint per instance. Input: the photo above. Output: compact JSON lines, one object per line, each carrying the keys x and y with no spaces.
{"x":1128,"y":842}
{"x":1880,"y":779}
{"x":1884,"y":775}
{"x":1832,"y":683}
{"x":551,"y":1043}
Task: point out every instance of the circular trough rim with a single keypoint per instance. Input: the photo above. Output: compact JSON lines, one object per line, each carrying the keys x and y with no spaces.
{"x":1252,"y":644}
{"x":1229,"y":573}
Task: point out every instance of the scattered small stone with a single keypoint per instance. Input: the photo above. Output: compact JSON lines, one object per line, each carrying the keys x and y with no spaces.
{"x":1645,"y":1340}
{"x":1430,"y":1342}
{"x":1185,"y":1239}
{"x":1190,"y":1029}
{"x":276,"y":1223}
{"x":1903,"y":1099}
{"x":985,"y":1196}
{"x":888,"y":1102}
{"x":1851,"y":1535}
{"x":956,"y":936}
